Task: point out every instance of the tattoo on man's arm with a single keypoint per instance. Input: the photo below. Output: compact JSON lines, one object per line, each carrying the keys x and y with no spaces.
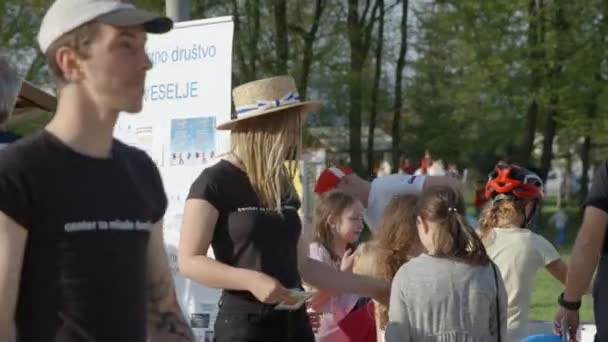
{"x":160,"y":289}
{"x":166,"y":319}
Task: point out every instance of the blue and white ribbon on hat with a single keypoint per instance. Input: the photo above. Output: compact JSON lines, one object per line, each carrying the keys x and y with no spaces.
{"x":291,"y":98}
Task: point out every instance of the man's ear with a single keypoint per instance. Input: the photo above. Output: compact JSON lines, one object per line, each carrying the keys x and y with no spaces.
{"x":68,"y":61}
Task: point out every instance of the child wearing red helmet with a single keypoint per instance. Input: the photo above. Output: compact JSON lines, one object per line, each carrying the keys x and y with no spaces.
{"x":513,"y":193}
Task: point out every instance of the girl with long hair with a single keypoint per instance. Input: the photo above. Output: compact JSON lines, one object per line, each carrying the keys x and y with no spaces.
{"x":337,"y":226}
{"x":514,"y":194}
{"x":395,"y":243}
{"x":452,"y":292}
{"x":246,"y":208}
{"x":398,"y":242}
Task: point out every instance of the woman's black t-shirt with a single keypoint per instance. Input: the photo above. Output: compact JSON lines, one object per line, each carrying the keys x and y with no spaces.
{"x":248,"y":235}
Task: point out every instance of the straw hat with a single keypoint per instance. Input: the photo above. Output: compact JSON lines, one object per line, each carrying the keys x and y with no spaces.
{"x":264,"y":97}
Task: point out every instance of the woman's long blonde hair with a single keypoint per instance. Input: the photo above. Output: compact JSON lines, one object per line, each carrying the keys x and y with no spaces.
{"x":268,"y":149}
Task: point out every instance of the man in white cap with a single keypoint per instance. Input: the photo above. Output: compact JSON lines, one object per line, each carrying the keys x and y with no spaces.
{"x":377,"y":194}
{"x":81,"y":250}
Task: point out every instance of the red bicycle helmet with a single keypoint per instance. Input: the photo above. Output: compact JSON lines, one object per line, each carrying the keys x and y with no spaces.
{"x":507,"y":180}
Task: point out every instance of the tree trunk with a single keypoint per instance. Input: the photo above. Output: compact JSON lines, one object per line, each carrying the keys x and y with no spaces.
{"x":253,"y":10}
{"x":246,"y":36}
{"x":585,"y":161}
{"x":281,"y":39}
{"x":535,"y":59}
{"x":355,"y":116}
{"x":566,"y":189}
{"x":243,"y":69}
{"x":309,"y":39}
{"x":398,"y":104}
{"x":530,"y":132}
{"x":375,"y":90}
{"x":560,"y":26}
{"x":359,"y":32}
{"x":548,"y":137}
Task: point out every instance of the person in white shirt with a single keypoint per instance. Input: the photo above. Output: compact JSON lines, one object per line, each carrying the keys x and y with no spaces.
{"x":514,"y":193}
{"x":377,"y":194}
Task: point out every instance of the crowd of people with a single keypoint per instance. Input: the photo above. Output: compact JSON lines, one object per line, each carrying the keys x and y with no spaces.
{"x":426,"y":166}
{"x":81,"y":248}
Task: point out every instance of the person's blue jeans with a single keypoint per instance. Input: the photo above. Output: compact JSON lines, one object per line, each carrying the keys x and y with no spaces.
{"x":560,"y":239}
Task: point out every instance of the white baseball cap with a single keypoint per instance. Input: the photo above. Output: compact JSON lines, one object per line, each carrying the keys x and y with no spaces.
{"x":65,"y":15}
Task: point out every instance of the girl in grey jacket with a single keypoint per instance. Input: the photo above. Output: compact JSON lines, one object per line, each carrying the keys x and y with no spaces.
{"x":453,"y":292}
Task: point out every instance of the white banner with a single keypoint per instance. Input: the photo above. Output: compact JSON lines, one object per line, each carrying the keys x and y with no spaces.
{"x":187,"y":94}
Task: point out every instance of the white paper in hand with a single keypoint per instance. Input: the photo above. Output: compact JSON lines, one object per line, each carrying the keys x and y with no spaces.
{"x":300,"y":297}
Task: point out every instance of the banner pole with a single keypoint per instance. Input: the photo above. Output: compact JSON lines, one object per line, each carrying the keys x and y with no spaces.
{"x":178,"y":10}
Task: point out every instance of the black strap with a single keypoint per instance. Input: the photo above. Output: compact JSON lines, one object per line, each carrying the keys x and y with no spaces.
{"x":497,"y":300}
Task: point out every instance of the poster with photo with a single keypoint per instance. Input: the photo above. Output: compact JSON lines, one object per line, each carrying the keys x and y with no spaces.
{"x":202,"y":320}
{"x":192,"y":141}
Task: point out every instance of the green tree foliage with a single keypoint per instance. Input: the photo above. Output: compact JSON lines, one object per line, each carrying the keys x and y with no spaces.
{"x":482,"y":64}
{"x":480,"y":78}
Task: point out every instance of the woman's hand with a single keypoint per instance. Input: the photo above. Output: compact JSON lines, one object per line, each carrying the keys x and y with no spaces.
{"x":268,"y":290}
{"x":348,"y":260}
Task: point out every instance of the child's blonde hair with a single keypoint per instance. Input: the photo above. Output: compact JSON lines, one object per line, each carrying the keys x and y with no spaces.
{"x":499,"y":214}
{"x":366,"y":261}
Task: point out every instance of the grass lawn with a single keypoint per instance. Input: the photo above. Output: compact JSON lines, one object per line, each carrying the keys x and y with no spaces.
{"x":544,"y":299}
{"x":546,"y":288}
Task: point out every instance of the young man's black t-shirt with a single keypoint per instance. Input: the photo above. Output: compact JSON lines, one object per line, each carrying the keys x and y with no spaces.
{"x":248,"y":235}
{"x":88,"y":222}
{"x":7,"y":138}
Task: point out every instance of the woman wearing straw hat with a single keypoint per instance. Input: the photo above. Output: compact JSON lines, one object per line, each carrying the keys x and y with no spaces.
{"x":245,"y":207}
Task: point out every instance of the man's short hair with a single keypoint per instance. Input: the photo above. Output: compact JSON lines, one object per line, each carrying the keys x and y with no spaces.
{"x":10,"y":84}
{"x":75,"y":23}
{"x":78,"y":39}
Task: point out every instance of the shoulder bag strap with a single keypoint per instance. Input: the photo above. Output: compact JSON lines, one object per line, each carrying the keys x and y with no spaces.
{"x":497,"y":299}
